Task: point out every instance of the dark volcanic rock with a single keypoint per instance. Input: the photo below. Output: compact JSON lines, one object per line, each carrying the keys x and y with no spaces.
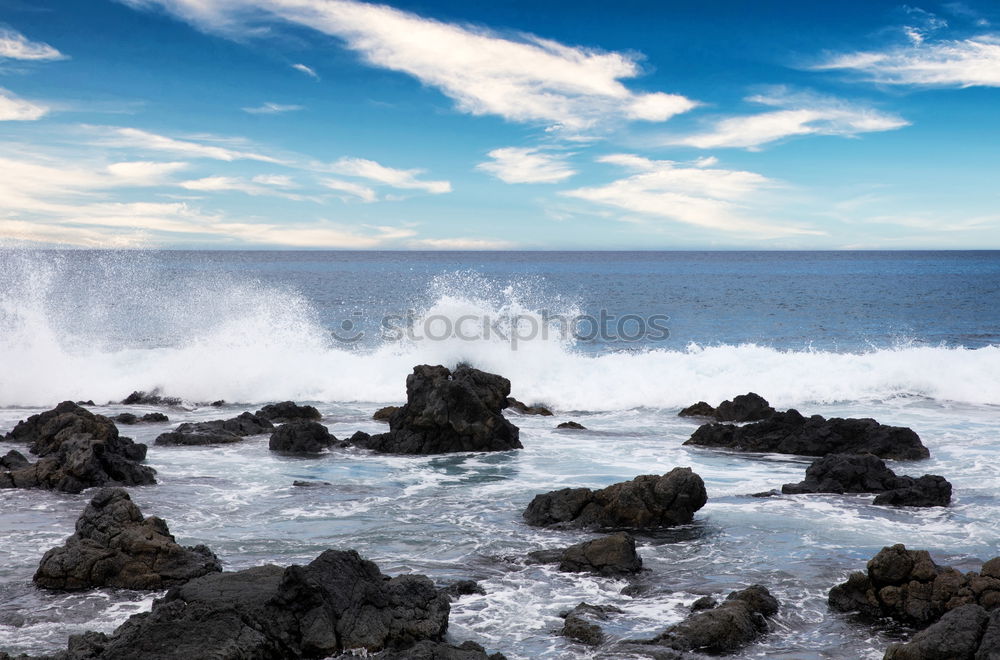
{"x":337,"y":602}
{"x":114,"y":546}
{"x":574,"y":426}
{"x":609,"y":555}
{"x":447,"y":412}
{"x":791,"y":433}
{"x":581,"y":623}
{"x":456,"y":590}
{"x":441,"y":651}
{"x":739,"y":620}
{"x":77,"y":449}
{"x":958,"y":634}
{"x":703,"y":603}
{"x":216,"y":431}
{"x":864,"y":473}
{"x":700,"y":409}
{"x":310,"y":484}
{"x":647,"y":501}
{"x":301,"y":437}
{"x":153,"y":398}
{"x":383,"y":414}
{"x":750,"y":407}
{"x":525,"y":409}
{"x":13,"y":460}
{"x":148,"y":418}
{"x":909,"y":587}
{"x":288,"y":411}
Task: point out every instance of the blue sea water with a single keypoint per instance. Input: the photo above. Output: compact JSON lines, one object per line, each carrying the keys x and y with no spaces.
{"x":910,"y":338}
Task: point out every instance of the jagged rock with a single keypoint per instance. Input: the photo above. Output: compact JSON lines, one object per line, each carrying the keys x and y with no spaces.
{"x":750,"y":407}
{"x":441,"y":651}
{"x":447,"y":412}
{"x":337,"y":602}
{"x":77,"y":449}
{"x":608,"y":555}
{"x":700,"y":409}
{"x":581,"y":623}
{"x":114,"y":546}
{"x":148,"y":418}
{"x":383,"y":414}
{"x":909,"y":587}
{"x":301,"y":437}
{"x":791,"y":433}
{"x":964,"y":632}
{"x":288,"y":411}
{"x":153,"y":398}
{"x":13,"y":460}
{"x":648,"y":501}
{"x":525,"y":409}
{"x":456,"y":590}
{"x":864,"y":473}
{"x":703,"y":603}
{"x":216,"y":431}
{"x":739,"y":620}
{"x":573,"y":426}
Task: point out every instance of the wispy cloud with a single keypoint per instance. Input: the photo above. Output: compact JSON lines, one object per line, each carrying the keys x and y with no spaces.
{"x":702,"y":196}
{"x":526,"y":165}
{"x":14,"y":108}
{"x":272,"y":109}
{"x":15,"y":46}
{"x":461,"y":244}
{"x":524,"y":78}
{"x":259,"y":185}
{"x":309,"y":71}
{"x":134,"y":138}
{"x":800,"y":114}
{"x":374,"y":171}
{"x":351,"y":189}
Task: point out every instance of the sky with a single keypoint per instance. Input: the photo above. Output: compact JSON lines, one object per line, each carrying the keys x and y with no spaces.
{"x":446,"y":125}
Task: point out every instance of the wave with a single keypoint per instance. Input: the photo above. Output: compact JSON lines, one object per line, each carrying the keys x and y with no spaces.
{"x":99,"y":326}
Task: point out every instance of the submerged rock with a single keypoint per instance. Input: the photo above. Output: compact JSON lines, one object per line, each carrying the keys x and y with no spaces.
{"x":301,"y":437}
{"x":456,"y":590}
{"x":337,"y":602}
{"x":612,"y":555}
{"x":153,"y":398}
{"x":864,"y":473}
{"x":288,"y":411}
{"x":216,"y":431}
{"x":791,"y":433}
{"x":441,"y":651}
{"x":446,"y":412}
{"x":648,"y":501}
{"x":148,"y":418}
{"x":968,"y":631}
{"x":77,"y":449}
{"x":581,"y":623}
{"x":525,"y":409}
{"x":572,"y":426}
{"x":114,"y":546}
{"x":906,"y":585}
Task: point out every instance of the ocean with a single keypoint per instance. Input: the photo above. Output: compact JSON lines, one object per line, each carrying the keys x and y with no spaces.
{"x":616,"y":341}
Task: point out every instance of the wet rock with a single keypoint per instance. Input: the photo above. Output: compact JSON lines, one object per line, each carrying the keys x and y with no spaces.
{"x":700,"y":409}
{"x":337,"y":602}
{"x":961,"y":633}
{"x":750,"y":407}
{"x":115,"y":546}
{"x":153,"y":398}
{"x":864,"y":473}
{"x":77,"y":449}
{"x":791,"y":433}
{"x":581,"y":623}
{"x":648,"y":501}
{"x":612,"y":555}
{"x":13,"y":460}
{"x":572,"y":426}
{"x":739,"y":620}
{"x":441,"y":651}
{"x":288,"y":411}
{"x":525,"y":409}
{"x":310,"y":484}
{"x":301,"y":437}
{"x":456,"y":590}
{"x":216,"y":431}
{"x":446,"y":412}
{"x":148,"y":418}
{"x":906,"y":585}
{"x":703,"y":603}
{"x":383,"y":414}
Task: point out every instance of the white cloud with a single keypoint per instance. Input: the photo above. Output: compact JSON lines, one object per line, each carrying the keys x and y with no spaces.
{"x":14,"y":108}
{"x":275,"y":186}
{"x":15,"y":46}
{"x":972,"y":62}
{"x":134,"y":138}
{"x":461,"y":244}
{"x":524,"y":78}
{"x":373,"y":171}
{"x":524,"y":165}
{"x":309,"y":71}
{"x":701,"y":196}
{"x":801,"y":114}
{"x":364,"y":193}
{"x":272,"y":109}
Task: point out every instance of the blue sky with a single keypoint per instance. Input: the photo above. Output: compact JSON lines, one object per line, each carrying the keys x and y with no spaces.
{"x":514,"y":125}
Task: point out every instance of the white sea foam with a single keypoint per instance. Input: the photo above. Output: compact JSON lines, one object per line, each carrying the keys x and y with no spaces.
{"x":125,"y":328}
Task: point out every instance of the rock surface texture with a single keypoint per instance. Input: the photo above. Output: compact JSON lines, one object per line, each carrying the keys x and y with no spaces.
{"x":216,"y":431}
{"x":612,"y":555}
{"x":864,"y":473}
{"x":301,"y":437}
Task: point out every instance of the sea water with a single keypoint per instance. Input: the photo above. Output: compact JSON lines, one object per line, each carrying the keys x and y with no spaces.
{"x":909,"y":338}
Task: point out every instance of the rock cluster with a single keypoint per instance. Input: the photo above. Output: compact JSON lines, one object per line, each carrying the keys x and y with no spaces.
{"x":525,"y":409}
{"x":909,"y":587}
{"x":153,"y":398}
{"x":749,"y":407}
{"x":288,"y":411}
{"x":648,"y":501}
{"x":148,"y":418}
{"x":301,"y":437}
{"x":613,"y":555}
{"x":77,"y":449}
{"x":864,"y":473}
{"x":216,"y":431}
{"x":968,"y":631}
{"x":114,"y":546}
{"x":446,"y":412}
